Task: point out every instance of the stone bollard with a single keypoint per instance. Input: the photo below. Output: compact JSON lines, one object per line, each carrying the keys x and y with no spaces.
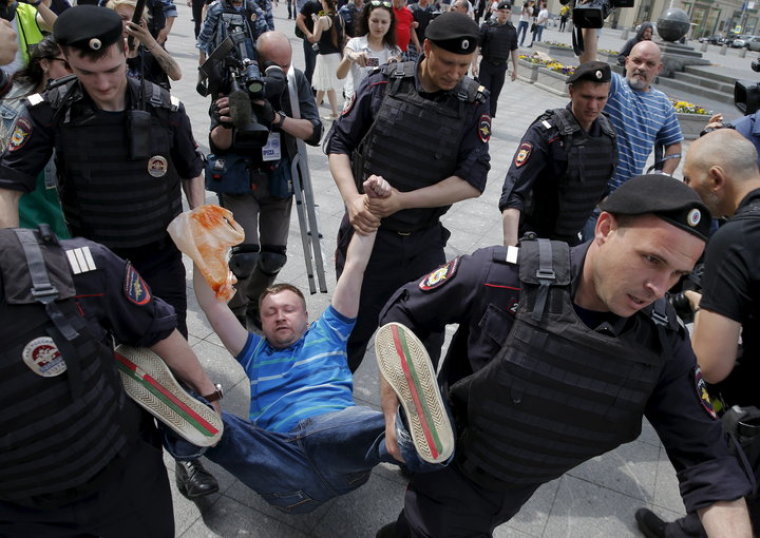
{"x":723,"y":49}
{"x":742,"y":52}
{"x":703,"y":48}
{"x":624,"y":34}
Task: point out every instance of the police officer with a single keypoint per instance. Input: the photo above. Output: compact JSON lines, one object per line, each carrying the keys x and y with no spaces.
{"x":563,"y":163}
{"x":124,"y":149}
{"x":217,"y":24}
{"x":78,"y":457}
{"x":264,"y":210}
{"x":559,"y":354}
{"x":498,"y":41}
{"x":430,"y":143}
{"x":722,"y":168}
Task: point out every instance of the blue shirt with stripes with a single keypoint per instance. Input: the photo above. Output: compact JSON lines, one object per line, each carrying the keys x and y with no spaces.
{"x":309,"y":378}
{"x":640,"y":118}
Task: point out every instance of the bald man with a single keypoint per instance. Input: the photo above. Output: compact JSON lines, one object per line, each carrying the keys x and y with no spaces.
{"x":642,"y":115}
{"x":264,"y":212}
{"x":722,"y":168}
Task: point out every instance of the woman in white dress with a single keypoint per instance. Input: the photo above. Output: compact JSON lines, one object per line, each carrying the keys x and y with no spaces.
{"x":329,"y":34}
{"x":375,"y":46}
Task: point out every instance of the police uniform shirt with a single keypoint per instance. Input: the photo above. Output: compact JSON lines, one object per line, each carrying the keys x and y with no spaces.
{"x":359,"y":114}
{"x":489,"y":36}
{"x":113,"y":297}
{"x":34,"y":139}
{"x":537,"y":167}
{"x":731,"y":288}
{"x":480,"y":292}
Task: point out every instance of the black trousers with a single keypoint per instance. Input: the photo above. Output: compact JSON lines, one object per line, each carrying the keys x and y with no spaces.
{"x":492,"y":77}
{"x":310,"y":59}
{"x":136,"y":502}
{"x":396,"y":259}
{"x":447,"y":504}
{"x":162,"y":268}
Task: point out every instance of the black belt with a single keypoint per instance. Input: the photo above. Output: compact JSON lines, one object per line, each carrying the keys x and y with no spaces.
{"x":408,"y":232}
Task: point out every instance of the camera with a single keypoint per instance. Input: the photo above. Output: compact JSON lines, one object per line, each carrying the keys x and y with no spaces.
{"x":747,"y":92}
{"x":592,"y":14}
{"x":692,"y":281}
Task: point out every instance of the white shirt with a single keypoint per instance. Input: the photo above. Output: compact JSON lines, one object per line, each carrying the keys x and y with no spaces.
{"x":358,"y":73}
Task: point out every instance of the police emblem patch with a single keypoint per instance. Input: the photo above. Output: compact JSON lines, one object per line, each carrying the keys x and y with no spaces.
{"x":135,"y":288}
{"x":440,"y":276}
{"x":704,"y":396}
{"x":42,"y":357}
{"x":348,"y":105}
{"x":20,"y":134}
{"x":523,"y":154}
{"x":484,"y":128}
{"x":157,"y":166}
{"x":693,"y":217}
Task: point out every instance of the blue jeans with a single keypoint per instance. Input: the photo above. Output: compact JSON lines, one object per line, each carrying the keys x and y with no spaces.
{"x":522,"y":26}
{"x":539,"y":31}
{"x":323,"y":457}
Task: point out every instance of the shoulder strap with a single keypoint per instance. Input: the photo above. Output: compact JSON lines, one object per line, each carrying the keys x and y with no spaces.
{"x":470,"y":91}
{"x":545,"y":264}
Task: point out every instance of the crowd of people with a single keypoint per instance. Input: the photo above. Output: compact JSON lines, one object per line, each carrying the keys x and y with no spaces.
{"x":566,"y":338}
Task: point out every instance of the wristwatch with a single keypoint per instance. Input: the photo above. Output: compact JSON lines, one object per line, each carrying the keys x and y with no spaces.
{"x":218,"y":394}
{"x":282,"y":119}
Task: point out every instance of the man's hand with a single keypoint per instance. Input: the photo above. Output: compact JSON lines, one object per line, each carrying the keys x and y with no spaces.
{"x":141,"y":33}
{"x":384,"y":207}
{"x":8,"y":42}
{"x":715,"y":122}
{"x":360,"y":217}
{"x":514,"y":75}
{"x":377,"y":187}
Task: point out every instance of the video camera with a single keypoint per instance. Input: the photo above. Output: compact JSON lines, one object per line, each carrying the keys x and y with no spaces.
{"x":592,"y":14}
{"x":231,"y":69}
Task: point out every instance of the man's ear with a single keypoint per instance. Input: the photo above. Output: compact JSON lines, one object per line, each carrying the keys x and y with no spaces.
{"x":605,"y":224}
{"x":717,"y":178}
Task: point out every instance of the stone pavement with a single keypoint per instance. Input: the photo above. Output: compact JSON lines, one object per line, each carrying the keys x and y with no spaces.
{"x":597,"y":499}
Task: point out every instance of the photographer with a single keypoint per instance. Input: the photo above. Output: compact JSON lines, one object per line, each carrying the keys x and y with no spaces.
{"x":722,"y":168}
{"x":264,"y":210}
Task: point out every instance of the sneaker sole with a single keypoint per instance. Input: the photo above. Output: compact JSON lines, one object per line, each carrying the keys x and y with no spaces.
{"x":149,"y":382}
{"x":405,"y":364}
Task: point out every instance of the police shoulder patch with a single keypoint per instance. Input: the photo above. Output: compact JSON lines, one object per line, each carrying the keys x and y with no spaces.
{"x":440,"y":276}
{"x":136,"y":290}
{"x":523,"y":154}
{"x":20,"y":135}
{"x":484,"y":128}
{"x":704,"y":397}
{"x":348,"y":105}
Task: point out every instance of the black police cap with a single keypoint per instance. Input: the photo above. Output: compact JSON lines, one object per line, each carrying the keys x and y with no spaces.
{"x":454,"y":32}
{"x":593,"y":71}
{"x":88,"y":28}
{"x":504,"y":5}
{"x":667,"y":198}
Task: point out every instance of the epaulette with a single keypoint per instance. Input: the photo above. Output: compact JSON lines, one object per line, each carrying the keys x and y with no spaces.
{"x":399,"y":69}
{"x":506,"y":255}
{"x":471,"y":91}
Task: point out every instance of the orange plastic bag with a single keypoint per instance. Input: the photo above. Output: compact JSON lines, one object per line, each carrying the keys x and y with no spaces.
{"x":206,"y":234}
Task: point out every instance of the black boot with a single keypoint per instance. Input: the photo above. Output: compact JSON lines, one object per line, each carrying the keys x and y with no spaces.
{"x":193,"y":480}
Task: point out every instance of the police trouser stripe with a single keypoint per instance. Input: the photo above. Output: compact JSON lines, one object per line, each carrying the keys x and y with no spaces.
{"x":134,"y":371}
{"x":431,"y":434}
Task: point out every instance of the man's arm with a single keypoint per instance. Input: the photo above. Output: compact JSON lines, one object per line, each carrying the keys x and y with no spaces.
{"x":222,"y":319}
{"x":347,"y":291}
{"x":359,"y":215}
{"x":45,"y":16}
{"x":728,"y":519}
{"x":195,"y":191}
{"x":179,"y":356}
{"x":510,"y":224}
{"x":8,"y":42}
{"x":515,"y":56}
{"x":589,"y":46}
{"x":671,"y":163}
{"x":163,"y":35}
{"x":9,"y":208}
{"x":715,"y":341}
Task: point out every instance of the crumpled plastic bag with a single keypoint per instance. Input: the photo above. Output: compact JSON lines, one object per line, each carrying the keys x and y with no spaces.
{"x":206,"y":234}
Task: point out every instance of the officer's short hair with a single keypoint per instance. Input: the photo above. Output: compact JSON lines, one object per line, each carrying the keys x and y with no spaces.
{"x":279,"y":288}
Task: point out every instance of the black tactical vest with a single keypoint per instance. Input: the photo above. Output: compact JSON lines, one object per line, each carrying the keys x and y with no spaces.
{"x":117,"y":183}
{"x":63,"y":406}
{"x":590,"y":164}
{"x":495,"y":46}
{"x":414,"y":142}
{"x":558,"y":393}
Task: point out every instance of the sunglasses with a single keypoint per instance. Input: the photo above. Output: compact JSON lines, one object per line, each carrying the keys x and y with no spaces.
{"x":376,"y":3}
{"x":65,"y":63}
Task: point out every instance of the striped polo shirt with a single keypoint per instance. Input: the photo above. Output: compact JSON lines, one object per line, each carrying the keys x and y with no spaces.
{"x":308,"y":378}
{"x":640,"y":118}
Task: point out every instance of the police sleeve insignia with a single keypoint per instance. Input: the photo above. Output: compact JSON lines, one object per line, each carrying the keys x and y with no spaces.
{"x":440,"y":276}
{"x":20,"y":135}
{"x":484,"y":128}
{"x":136,"y":290}
{"x":523,"y":154}
{"x":704,"y":396}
